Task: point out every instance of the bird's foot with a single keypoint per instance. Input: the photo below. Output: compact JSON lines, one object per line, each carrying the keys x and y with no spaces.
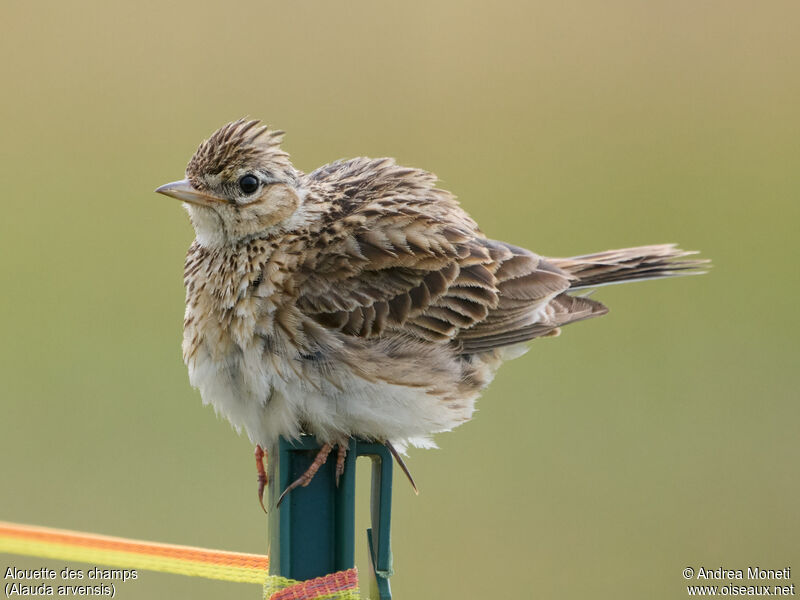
{"x":319,"y":460}
{"x":261,"y":461}
{"x":306,"y":477}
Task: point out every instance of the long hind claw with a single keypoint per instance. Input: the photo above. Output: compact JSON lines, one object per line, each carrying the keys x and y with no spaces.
{"x":402,"y":464}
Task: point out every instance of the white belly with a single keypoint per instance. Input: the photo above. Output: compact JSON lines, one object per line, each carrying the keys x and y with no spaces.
{"x":267,"y":398}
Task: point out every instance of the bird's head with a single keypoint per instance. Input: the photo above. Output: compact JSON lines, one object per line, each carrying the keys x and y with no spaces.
{"x":238,"y":184}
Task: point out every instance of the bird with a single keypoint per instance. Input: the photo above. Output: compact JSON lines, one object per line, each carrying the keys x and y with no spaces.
{"x":360,"y":300}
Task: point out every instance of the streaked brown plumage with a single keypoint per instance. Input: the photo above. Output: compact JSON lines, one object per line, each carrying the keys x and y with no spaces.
{"x":359,"y":299}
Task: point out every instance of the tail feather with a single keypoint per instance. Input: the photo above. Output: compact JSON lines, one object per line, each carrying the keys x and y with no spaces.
{"x":630,"y":264}
{"x":511,"y":323}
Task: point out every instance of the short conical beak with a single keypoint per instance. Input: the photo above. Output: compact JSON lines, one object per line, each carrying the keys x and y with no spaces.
{"x":182,"y":190}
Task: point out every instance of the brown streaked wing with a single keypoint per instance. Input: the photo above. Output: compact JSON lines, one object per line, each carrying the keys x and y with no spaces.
{"x":393,"y":245}
{"x":525,"y":283}
{"x":401,"y":256}
{"x":562,"y":310}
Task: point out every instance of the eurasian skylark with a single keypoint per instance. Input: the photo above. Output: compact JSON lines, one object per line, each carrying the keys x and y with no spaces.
{"x":360,"y":299}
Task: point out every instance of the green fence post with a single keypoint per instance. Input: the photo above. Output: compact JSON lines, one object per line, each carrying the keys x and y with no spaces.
{"x":379,"y":535}
{"x":312,"y":534}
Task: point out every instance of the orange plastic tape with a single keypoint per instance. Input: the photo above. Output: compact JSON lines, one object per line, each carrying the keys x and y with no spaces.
{"x":88,"y":547}
{"x":61,"y":544}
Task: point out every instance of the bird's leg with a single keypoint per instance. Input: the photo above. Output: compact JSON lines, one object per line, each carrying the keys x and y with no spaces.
{"x":261,"y":459}
{"x":340,"y":456}
{"x":306,"y":477}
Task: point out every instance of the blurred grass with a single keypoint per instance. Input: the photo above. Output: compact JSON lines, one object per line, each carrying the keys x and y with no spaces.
{"x":600,"y":464}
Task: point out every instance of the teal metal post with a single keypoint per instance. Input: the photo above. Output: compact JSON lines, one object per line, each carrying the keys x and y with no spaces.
{"x":313,"y":532}
{"x":379,"y":540}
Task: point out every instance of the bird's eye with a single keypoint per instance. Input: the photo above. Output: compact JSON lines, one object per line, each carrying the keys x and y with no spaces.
{"x":248,"y":183}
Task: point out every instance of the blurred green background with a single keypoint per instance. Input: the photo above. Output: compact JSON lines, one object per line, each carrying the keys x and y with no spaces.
{"x":599,"y":465}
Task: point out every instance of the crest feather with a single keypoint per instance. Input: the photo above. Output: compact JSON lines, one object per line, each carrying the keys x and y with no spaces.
{"x":238,"y":143}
